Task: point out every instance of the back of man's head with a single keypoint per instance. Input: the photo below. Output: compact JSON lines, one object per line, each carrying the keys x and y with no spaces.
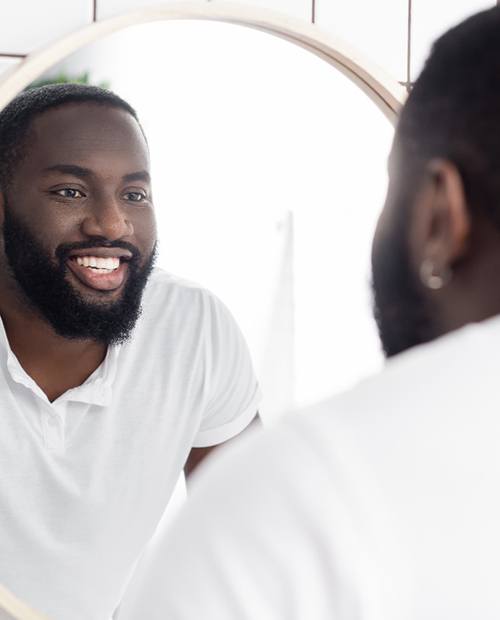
{"x":453,"y":112}
{"x":436,"y":253}
{"x":17,"y":117}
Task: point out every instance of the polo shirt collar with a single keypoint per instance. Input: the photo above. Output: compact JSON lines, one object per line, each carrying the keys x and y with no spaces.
{"x":96,"y":390}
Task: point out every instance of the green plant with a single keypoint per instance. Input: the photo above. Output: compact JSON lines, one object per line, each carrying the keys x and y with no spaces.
{"x":65,"y":78}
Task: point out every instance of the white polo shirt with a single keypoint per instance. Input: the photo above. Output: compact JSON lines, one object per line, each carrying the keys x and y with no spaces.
{"x":84,"y":480}
{"x":380,"y":504}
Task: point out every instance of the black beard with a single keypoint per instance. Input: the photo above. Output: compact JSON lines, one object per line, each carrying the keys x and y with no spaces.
{"x":404,"y":318}
{"x":48,"y":292}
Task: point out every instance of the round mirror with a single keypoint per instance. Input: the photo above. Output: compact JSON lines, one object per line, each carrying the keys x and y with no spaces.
{"x":268,"y":170}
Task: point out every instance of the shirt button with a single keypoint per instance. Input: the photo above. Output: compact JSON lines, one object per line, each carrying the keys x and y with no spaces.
{"x":53,"y":432}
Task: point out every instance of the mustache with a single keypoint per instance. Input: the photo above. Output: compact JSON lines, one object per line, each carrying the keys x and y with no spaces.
{"x":64,"y":250}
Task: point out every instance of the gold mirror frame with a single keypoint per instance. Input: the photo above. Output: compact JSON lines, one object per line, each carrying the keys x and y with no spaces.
{"x":387,"y":94}
{"x":384,"y":91}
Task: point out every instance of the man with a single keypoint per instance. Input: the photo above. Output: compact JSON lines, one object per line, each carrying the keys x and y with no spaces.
{"x":113,"y":376}
{"x":381,"y":503}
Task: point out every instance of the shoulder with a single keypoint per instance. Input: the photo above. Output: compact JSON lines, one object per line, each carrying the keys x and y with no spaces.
{"x":166,"y":293}
{"x":163,"y":285}
{"x":422,"y":394}
{"x":435,"y":396}
{"x":183,"y":311}
{"x":423,"y":383}
{"x":422,"y":389}
{"x":343,"y":481}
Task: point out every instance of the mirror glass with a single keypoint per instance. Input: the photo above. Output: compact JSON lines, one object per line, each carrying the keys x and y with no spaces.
{"x":269,"y":171}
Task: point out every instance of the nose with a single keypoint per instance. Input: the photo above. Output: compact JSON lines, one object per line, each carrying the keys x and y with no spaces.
{"x":108,"y":220}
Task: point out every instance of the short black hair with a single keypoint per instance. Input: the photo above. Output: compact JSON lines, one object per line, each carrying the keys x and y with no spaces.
{"x":453,"y":112}
{"x":17,"y":117}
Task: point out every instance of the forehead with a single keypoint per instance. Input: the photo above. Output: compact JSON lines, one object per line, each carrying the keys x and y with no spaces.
{"x":98,"y":137}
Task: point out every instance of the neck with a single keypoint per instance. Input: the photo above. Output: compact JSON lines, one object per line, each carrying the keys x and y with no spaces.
{"x":55,"y":363}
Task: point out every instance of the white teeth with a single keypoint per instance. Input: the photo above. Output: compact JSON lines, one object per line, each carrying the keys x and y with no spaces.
{"x":98,"y":263}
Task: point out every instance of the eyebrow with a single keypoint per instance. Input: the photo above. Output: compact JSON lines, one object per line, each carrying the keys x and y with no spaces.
{"x":76,"y":171}
{"x":85,"y":173}
{"x":141,"y":175}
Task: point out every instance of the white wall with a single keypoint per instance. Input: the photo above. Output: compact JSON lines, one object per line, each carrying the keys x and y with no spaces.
{"x":379,"y":29}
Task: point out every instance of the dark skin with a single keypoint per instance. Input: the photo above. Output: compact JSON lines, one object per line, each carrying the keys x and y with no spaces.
{"x":85,"y":176}
{"x":467,"y":247}
{"x":62,"y":207}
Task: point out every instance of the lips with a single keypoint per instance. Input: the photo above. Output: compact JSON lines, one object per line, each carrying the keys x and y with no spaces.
{"x":94,"y":277}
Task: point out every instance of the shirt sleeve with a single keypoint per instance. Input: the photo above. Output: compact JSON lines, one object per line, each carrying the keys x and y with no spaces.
{"x":253,"y":542}
{"x":233,"y":394}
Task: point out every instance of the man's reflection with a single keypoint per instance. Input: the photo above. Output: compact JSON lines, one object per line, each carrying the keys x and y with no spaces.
{"x":114,"y":374}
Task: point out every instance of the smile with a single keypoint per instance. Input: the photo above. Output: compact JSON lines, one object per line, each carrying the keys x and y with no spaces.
{"x":103,"y":265}
{"x":100,"y":273}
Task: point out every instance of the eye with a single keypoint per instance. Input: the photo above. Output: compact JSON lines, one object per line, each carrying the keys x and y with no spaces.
{"x":69,"y":192}
{"x":135,"y":196}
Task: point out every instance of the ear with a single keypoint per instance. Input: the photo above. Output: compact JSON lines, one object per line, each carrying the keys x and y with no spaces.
{"x":441,"y":221}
